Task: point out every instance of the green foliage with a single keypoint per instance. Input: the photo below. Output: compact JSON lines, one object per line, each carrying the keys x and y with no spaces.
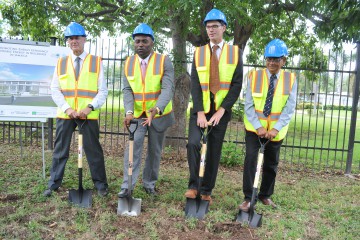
{"x":316,"y":63}
{"x":232,"y":154}
{"x":238,"y":110}
{"x":259,"y":21}
{"x":310,"y":105}
{"x":1,"y":27}
{"x":342,"y":21}
{"x":307,"y":105}
{"x":335,"y":107}
{"x":114,"y":93}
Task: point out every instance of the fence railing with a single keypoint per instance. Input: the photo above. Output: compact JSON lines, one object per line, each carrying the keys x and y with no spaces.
{"x":324,"y":133}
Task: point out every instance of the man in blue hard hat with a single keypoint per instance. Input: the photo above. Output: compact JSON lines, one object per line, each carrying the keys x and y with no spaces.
{"x":270,"y":102}
{"x":148,"y":90}
{"x":79,"y":90}
{"x":216,"y":80}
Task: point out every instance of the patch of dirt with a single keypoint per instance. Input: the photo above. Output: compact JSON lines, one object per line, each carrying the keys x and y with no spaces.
{"x":167,"y":230}
{"x":235,"y":229}
{"x":9,"y":198}
{"x":7,"y":210}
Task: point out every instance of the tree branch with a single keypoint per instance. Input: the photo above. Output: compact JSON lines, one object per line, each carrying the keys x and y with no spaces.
{"x":292,"y":25}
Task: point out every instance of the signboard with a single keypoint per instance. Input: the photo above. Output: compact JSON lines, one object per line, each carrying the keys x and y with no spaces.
{"x":26,"y":70}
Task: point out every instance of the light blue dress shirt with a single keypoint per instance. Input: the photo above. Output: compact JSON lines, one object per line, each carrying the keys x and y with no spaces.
{"x":286,"y":113}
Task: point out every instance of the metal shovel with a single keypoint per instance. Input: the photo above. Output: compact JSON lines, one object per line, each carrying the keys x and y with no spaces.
{"x":198,"y":208}
{"x":251,"y":217}
{"x":80,"y":197}
{"x":128,"y":205}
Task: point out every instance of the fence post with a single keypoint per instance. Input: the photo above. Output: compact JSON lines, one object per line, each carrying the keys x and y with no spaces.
{"x":51,"y":120}
{"x":354,"y":112}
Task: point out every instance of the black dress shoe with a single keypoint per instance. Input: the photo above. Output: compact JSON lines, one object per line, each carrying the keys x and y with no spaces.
{"x":123,"y":193}
{"x":103,"y":192}
{"x":151,"y":191}
{"x":47,"y":192}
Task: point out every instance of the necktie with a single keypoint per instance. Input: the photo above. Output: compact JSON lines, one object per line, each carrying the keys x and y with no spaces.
{"x":269,"y":97}
{"x":143,"y":68}
{"x":77,"y":67}
{"x":214,"y":71}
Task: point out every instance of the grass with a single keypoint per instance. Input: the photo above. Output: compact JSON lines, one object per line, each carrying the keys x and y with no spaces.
{"x":311,"y":205}
{"x":328,"y":134}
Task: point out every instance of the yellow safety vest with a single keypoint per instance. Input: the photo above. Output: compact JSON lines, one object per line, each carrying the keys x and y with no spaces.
{"x":146,"y":88}
{"x":79,"y":93}
{"x":228,"y":61}
{"x":259,"y":83}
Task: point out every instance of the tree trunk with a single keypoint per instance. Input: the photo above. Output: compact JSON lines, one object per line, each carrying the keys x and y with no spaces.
{"x":176,"y":134}
{"x":242,"y":34}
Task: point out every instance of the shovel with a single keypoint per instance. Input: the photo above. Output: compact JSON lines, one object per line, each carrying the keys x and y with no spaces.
{"x":198,"y":208}
{"x":251,"y":217}
{"x":128,"y":205}
{"x":80,"y":197}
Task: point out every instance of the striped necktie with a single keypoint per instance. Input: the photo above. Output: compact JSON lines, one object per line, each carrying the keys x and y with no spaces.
{"x":269,"y":97}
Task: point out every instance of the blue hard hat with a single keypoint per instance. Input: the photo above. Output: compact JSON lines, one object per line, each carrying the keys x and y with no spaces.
{"x":74,"y":29}
{"x":276,"y":48}
{"x":143,"y":29}
{"x":215,"y":15}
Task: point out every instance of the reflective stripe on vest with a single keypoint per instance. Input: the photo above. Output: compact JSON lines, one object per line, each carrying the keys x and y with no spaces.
{"x":78,"y":94}
{"x":259,"y":85}
{"x":131,"y":65}
{"x":92,"y":66}
{"x":147,"y":91}
{"x":228,"y":61}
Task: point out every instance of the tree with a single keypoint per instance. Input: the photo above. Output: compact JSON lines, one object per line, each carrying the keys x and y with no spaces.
{"x":250,"y":22}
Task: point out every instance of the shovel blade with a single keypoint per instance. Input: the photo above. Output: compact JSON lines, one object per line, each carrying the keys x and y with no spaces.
{"x":196,"y":208}
{"x":81,"y":198}
{"x":243,"y":217}
{"x":129,"y":206}
{"x":254,"y":220}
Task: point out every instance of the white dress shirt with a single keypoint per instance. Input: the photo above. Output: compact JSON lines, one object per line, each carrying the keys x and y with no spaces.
{"x":218,"y":51}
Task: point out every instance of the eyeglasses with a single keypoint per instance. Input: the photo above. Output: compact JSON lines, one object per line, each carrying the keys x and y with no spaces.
{"x":275,"y":60}
{"x":214,"y":27}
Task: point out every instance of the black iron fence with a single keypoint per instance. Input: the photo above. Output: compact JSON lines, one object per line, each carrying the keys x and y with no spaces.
{"x":324,"y":133}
